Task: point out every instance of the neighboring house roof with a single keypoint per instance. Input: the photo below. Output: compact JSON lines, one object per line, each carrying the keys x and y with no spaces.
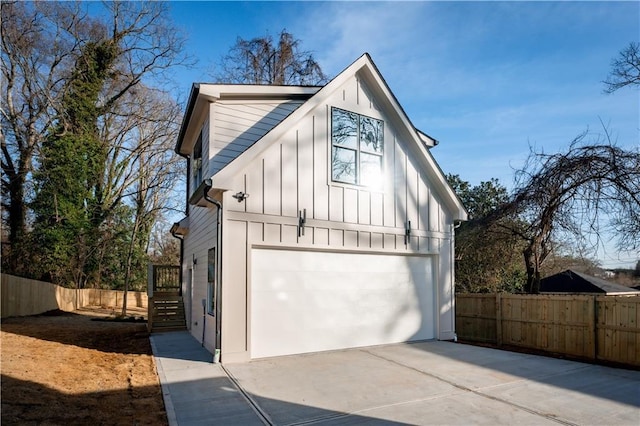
{"x":363,"y":68}
{"x":575,"y":282}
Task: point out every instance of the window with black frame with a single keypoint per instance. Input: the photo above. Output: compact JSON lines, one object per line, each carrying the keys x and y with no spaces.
{"x":357,"y":148}
{"x":196,"y":162}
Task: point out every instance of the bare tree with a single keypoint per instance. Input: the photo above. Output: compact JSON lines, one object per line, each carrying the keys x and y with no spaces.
{"x":143,"y":170}
{"x":488,"y":258}
{"x":40,"y":42}
{"x":625,"y":69}
{"x":262,"y":60}
{"x":580,"y":193}
{"x":165,"y":248}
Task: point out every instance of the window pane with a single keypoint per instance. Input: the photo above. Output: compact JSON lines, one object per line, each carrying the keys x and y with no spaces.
{"x":371,"y":135}
{"x":343,"y":164}
{"x":370,"y":170}
{"x":344,"y":128}
{"x":196,"y":163}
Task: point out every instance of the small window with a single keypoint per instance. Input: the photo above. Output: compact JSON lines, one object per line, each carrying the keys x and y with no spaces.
{"x":357,"y":148}
{"x":196,"y":162}
{"x":211,"y":281}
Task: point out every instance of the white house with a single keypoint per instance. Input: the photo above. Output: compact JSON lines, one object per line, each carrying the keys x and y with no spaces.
{"x":317,"y":219}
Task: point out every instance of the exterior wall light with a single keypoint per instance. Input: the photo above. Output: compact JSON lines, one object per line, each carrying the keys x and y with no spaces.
{"x":240,"y":196}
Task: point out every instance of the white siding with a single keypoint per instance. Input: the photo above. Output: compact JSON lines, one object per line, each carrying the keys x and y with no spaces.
{"x":202,"y":237}
{"x":236,"y":126}
{"x":294,"y":174}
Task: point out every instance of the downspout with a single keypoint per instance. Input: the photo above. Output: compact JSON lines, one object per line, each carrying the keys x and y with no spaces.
{"x":186,"y":208}
{"x":181,"y":237}
{"x":218,"y":308}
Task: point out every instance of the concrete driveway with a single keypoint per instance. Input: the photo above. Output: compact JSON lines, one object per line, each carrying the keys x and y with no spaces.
{"x":429,"y":383}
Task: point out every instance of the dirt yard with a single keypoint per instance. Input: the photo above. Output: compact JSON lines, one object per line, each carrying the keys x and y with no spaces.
{"x":70,"y":369}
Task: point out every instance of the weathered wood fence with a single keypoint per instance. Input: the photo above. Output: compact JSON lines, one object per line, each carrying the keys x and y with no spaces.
{"x":22,"y":296}
{"x":603,"y":328}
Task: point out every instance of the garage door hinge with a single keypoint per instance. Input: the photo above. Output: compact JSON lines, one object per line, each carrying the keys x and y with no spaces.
{"x":407,"y":232}
{"x":302,"y":220}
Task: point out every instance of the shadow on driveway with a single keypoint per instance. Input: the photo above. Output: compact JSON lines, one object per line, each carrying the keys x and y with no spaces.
{"x":418,"y":383}
{"x":439,"y":383}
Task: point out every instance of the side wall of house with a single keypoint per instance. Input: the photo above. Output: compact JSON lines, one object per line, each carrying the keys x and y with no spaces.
{"x":294,"y":174}
{"x":202,"y":236}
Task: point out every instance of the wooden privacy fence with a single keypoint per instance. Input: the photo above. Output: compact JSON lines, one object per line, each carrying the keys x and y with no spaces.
{"x":603,"y":328}
{"x":22,"y":296}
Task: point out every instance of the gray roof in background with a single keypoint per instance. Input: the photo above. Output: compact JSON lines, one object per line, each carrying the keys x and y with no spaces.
{"x":571,"y":281}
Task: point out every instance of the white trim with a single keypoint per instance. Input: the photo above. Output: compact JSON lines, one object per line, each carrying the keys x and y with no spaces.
{"x":315,"y":248}
{"x":218,"y":91}
{"x":321,"y":223}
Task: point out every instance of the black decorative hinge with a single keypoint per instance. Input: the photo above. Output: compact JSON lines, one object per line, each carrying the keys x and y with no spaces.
{"x":407,"y":232}
{"x":302,"y":220}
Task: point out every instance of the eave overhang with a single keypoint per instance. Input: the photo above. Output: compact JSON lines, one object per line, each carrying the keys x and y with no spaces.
{"x":427,"y":140}
{"x":198,"y":197}
{"x":180,"y":229}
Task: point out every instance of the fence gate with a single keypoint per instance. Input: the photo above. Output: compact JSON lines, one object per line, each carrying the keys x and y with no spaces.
{"x":166,"y":307}
{"x":166,"y":279}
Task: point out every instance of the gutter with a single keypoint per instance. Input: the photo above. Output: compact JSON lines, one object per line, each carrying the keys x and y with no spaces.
{"x":193,"y":97}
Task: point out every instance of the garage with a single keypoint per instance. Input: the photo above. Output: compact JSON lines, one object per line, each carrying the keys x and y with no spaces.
{"x":310,"y":301}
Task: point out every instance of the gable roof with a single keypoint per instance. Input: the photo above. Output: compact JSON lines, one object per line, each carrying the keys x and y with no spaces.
{"x":365,"y":69}
{"x":571,"y":281}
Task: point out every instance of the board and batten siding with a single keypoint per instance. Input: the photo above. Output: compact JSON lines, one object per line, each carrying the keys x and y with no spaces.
{"x":293,"y":174}
{"x":239,"y":124}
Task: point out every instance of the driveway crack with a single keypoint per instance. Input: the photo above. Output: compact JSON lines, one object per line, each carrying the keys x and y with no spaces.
{"x":474,"y":391}
{"x":262,"y":415}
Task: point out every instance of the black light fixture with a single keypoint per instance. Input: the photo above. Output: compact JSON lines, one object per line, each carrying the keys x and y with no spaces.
{"x":240,"y":196}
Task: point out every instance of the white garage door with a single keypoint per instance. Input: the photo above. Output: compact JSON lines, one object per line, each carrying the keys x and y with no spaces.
{"x":304,"y":301}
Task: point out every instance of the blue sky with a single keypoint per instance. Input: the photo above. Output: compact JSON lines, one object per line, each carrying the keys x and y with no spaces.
{"x":487,"y":79}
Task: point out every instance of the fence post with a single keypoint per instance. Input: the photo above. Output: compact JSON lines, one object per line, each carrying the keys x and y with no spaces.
{"x":150,"y":280}
{"x":594,"y":324}
{"x":499,"y":319}
{"x":150,"y":302}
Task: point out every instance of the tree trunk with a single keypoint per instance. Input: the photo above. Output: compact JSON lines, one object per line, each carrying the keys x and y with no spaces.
{"x":17,"y":225}
{"x":533,"y":271}
{"x":127,"y":272}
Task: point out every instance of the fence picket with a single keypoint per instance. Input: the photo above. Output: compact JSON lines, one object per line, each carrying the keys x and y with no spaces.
{"x":593,"y":327}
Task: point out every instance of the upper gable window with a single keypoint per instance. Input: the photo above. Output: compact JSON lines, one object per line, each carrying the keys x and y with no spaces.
{"x":357,"y":148}
{"x":196,"y":163}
